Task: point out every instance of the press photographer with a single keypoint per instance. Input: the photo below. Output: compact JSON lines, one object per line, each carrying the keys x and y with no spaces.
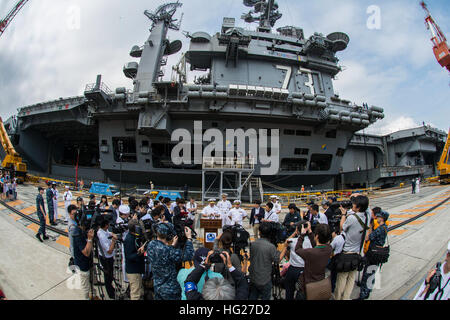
{"x":165,"y":258}
{"x":217,"y":288}
{"x":134,"y":260}
{"x":82,"y":244}
{"x":263,"y":254}
{"x":354,"y":223}
{"x":107,"y":242}
{"x":437,"y":283}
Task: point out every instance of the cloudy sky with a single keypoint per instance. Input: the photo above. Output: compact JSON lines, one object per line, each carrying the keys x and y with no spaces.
{"x":54,"y":48}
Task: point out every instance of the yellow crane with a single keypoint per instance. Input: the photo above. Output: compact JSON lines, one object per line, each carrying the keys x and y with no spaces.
{"x":443,"y":165}
{"x":12,"y":161}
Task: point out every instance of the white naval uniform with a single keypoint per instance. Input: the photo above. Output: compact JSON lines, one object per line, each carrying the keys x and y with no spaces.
{"x":277,"y":207}
{"x":224,"y":209}
{"x":211,"y":211}
{"x":55,"y":204}
{"x":67,"y":202}
{"x":237,"y":215}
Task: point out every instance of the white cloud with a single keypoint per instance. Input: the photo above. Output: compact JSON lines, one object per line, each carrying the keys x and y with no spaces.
{"x":393,"y":124}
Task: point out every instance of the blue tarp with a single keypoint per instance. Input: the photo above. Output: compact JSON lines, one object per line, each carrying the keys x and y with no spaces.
{"x":173,"y":195}
{"x":103,"y":189}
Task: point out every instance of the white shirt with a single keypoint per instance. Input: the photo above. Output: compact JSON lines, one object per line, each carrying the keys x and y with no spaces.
{"x":237,"y":214}
{"x":189,"y":205}
{"x":271,"y":216}
{"x":146,"y":217}
{"x":172,"y":206}
{"x":150,"y":203}
{"x":105,"y":243}
{"x":295,"y":260}
{"x":338,"y":244}
{"x":276,"y":207}
{"x":211,"y":212}
{"x":67,"y":196}
{"x":445,"y":280}
{"x":321,"y":218}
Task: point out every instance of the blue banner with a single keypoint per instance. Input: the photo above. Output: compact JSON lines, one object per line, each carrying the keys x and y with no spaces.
{"x":173,"y":195}
{"x":103,"y":189}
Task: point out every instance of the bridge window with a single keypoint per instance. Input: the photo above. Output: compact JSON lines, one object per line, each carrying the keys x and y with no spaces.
{"x":289,"y":132}
{"x":320,"y":162}
{"x":128,"y":149}
{"x":293,"y":164}
{"x":303,"y":133}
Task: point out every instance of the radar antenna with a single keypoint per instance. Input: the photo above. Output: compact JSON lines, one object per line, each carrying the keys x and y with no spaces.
{"x":165,"y":13}
{"x":264,"y":11}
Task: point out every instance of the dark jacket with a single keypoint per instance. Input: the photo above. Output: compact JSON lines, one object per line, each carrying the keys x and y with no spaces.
{"x":294,"y":217}
{"x":167,"y":214}
{"x":39,"y":203}
{"x":240,"y":281}
{"x":134,"y":263}
{"x":259,"y":215}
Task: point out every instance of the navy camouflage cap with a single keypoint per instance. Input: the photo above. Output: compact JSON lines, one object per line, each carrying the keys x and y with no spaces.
{"x":383,"y":214}
{"x":165,"y":229}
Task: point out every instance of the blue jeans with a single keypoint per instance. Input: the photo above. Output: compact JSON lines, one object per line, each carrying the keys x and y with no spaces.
{"x":264,"y":292}
{"x":41,"y":223}
{"x":292,"y":275}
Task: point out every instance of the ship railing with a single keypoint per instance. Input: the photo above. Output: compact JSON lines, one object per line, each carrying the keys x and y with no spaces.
{"x":232,"y":163}
{"x":93,"y":87}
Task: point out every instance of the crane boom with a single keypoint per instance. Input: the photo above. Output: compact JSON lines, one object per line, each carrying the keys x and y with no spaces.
{"x":12,"y":160}
{"x":440,"y":46}
{"x":14,"y":11}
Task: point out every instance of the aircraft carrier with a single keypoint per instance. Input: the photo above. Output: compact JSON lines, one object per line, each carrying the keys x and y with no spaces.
{"x":262,"y":79}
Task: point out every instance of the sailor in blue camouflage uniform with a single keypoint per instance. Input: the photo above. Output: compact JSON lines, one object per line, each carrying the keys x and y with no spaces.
{"x":164,"y":259}
{"x":377,"y":238}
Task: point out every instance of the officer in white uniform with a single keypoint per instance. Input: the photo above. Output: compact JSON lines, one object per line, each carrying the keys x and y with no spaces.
{"x":211,"y":211}
{"x":224,"y":206}
{"x":67,"y":201}
{"x":276,"y":204}
{"x":237,"y":214}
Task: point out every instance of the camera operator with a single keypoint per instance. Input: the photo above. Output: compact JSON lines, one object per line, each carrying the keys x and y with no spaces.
{"x":179,"y":212}
{"x":107,"y":242}
{"x":437,"y":283}
{"x":217,"y":288}
{"x":82,"y":249}
{"x":292,"y":218}
{"x":224,"y":244}
{"x":262,"y":255}
{"x":115,"y":209}
{"x":134,"y":261}
{"x":256,"y":216}
{"x":316,"y":258}
{"x":164,"y":259}
{"x":270,"y":214}
{"x":296,"y":263}
{"x":355,"y":224}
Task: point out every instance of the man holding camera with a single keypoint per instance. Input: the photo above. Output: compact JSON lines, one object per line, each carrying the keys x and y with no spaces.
{"x":262,"y":255}
{"x":216,"y":288}
{"x":355,"y":224}
{"x":82,"y":250}
{"x":164,"y":259}
{"x":134,"y":261}
{"x":437,"y":283}
{"x":107,"y":242}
